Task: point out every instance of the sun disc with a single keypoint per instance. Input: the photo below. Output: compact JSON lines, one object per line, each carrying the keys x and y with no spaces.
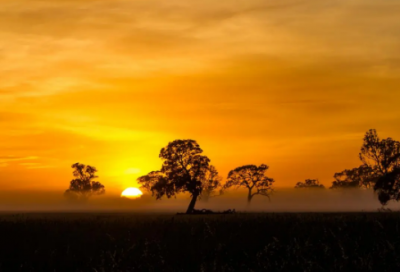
{"x":132,"y":193}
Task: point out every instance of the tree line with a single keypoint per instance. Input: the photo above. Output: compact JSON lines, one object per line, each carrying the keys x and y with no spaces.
{"x":185,"y":169}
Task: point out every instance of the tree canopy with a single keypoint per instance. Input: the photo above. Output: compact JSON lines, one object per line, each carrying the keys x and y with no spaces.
{"x":362,"y":176}
{"x":380,"y":169}
{"x":184,"y":169}
{"x":253,"y":178}
{"x":383,"y":157}
{"x":212,"y":183}
{"x":310,"y":184}
{"x":84,"y":185}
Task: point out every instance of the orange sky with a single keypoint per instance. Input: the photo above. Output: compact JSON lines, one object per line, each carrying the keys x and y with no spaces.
{"x":293,"y":84}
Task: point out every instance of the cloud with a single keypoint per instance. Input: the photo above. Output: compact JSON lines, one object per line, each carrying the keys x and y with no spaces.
{"x":14,"y":158}
{"x":74,"y":42}
{"x":111,"y":82}
{"x":6,"y":160}
{"x":35,"y":165}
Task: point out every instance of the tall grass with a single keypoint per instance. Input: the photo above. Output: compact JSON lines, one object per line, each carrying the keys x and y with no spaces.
{"x":241,"y":242}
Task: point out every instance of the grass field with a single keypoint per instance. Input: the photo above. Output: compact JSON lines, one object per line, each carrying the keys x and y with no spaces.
{"x":240,"y":242}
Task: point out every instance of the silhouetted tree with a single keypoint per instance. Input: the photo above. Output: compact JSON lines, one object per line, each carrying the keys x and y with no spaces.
{"x":388,"y":186}
{"x":84,"y":186}
{"x":310,"y":183}
{"x":362,"y":176}
{"x":253,"y":178}
{"x":212,"y":182}
{"x":184,"y":169}
{"x":383,"y":157}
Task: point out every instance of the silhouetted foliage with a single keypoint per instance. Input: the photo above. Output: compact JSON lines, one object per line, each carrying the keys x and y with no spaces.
{"x":310,"y":184}
{"x":211,"y":184}
{"x":383,"y":157}
{"x":253,"y":178}
{"x":184,"y":169}
{"x":362,"y":176}
{"x":84,"y":186}
{"x":388,"y":186}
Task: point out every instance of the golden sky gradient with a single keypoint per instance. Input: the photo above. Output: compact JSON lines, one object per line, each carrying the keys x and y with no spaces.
{"x":293,"y":84}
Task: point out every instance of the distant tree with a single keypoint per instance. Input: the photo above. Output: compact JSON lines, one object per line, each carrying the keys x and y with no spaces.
{"x":84,"y":186}
{"x":212,"y":184}
{"x":253,"y":178}
{"x":362,"y":176}
{"x":383,"y":157}
{"x":184,"y":169}
{"x":310,"y":183}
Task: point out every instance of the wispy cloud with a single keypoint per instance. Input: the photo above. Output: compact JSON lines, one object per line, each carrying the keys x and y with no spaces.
{"x":67,"y":46}
{"x":34,"y":165}
{"x":111,"y":82}
{"x":16,"y":158}
{"x":6,"y":160}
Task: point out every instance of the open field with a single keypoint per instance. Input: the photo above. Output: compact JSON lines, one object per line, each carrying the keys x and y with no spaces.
{"x":240,"y":242}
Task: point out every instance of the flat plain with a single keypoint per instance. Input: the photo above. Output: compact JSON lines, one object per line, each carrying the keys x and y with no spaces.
{"x":168,"y":242}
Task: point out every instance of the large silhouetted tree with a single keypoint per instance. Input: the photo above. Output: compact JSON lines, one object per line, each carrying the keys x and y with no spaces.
{"x":380,"y":169}
{"x":184,"y":169}
{"x":362,"y":176}
{"x":310,"y":183}
{"x":383,"y":157}
{"x":253,"y":178}
{"x":84,"y":185}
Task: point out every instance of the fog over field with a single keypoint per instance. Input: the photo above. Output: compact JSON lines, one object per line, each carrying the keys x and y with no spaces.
{"x":283,"y":200}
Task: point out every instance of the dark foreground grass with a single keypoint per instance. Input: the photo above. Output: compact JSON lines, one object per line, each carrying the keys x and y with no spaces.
{"x":240,"y":242}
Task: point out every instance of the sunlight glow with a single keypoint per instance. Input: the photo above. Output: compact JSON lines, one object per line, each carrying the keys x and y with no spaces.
{"x":132,"y":193}
{"x":132,"y":171}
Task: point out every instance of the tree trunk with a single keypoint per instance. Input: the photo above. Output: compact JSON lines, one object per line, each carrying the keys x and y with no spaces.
{"x":192,"y":204}
{"x":250,"y":197}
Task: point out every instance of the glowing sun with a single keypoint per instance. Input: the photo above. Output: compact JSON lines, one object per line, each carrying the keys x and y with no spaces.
{"x":132,"y":193}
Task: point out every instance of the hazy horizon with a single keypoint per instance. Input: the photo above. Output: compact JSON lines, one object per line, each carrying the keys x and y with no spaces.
{"x":282,"y":200}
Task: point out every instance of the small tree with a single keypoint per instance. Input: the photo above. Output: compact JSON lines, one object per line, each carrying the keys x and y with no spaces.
{"x":184,"y":169}
{"x":84,"y":186}
{"x":383,"y":157}
{"x":310,"y":183}
{"x":253,"y":178}
{"x":362,"y":176}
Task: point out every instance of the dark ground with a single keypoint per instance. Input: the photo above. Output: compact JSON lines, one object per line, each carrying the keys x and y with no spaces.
{"x":239,"y":242}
